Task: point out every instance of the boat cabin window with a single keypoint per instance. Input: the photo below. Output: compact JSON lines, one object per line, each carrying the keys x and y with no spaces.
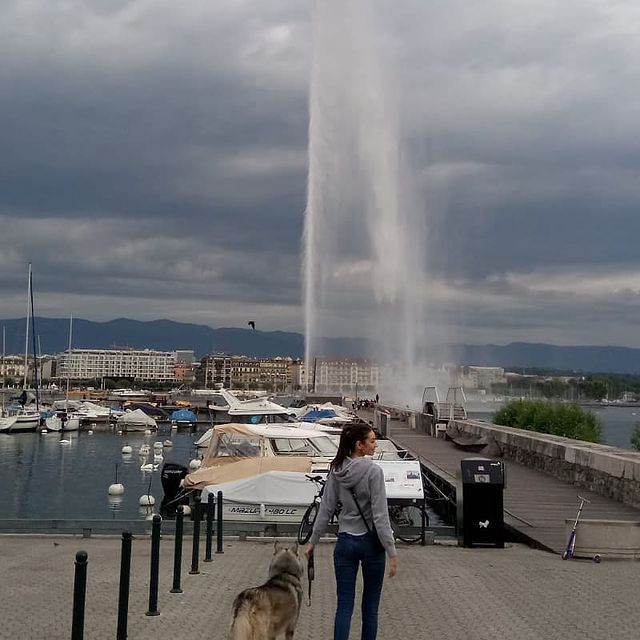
{"x":237,"y":446}
{"x":261,"y":418}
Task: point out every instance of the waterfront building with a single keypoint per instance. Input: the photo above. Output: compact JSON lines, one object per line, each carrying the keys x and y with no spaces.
{"x":12,"y":369}
{"x":473,"y":377}
{"x":244,"y":371}
{"x":346,"y":376}
{"x":138,"y":364}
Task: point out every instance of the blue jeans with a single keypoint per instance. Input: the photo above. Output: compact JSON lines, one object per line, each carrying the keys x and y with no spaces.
{"x":349,"y":552}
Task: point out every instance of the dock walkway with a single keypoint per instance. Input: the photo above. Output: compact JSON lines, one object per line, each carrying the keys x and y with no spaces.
{"x":536,"y":503}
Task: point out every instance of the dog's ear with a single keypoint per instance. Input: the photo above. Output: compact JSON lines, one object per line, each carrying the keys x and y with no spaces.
{"x":295,"y":548}
{"x":276,"y":546}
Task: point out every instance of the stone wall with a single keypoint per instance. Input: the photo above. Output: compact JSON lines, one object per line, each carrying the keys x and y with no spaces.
{"x":608,"y":471}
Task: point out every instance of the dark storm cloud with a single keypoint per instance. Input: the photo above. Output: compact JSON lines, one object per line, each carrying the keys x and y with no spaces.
{"x":155,"y":151}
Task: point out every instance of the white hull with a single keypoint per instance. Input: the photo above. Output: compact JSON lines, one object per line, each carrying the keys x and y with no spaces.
{"x":56,"y":423}
{"x":6,"y":424}
{"x":184,"y":424}
{"x":247,"y":512}
{"x":25,"y":421}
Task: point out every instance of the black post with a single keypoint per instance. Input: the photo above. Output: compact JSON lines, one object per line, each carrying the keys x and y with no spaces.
{"x":177,"y":555}
{"x":79,"y":594}
{"x":195,"y":551}
{"x":155,"y":566}
{"x":219,"y":524}
{"x":123,"y":596}
{"x":210,"y":509}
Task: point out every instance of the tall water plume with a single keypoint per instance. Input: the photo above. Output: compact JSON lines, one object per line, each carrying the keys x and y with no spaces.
{"x":364,"y":255}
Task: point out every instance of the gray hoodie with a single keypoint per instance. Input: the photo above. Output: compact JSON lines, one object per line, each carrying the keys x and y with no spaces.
{"x":367,"y":481}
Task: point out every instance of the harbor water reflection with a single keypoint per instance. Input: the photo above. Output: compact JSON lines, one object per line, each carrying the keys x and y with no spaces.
{"x":67,"y":476}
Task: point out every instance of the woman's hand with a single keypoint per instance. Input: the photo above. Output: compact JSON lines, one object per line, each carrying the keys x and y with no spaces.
{"x":393,"y":566}
{"x":309,"y":550}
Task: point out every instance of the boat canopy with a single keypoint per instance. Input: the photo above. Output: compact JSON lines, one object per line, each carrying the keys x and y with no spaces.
{"x":317,"y":414}
{"x":232,"y":468}
{"x":184,"y":415}
{"x":285,"y":488}
{"x":137,"y":417}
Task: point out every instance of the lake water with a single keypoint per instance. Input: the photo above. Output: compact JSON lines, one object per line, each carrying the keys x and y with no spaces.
{"x":617,"y":422}
{"x":40,"y":477}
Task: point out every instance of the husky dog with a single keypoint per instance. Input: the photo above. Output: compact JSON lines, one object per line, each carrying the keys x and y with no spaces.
{"x":267,"y":611}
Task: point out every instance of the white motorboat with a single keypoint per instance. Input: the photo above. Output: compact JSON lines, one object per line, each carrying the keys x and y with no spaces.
{"x":225,"y":407}
{"x":263,"y":471}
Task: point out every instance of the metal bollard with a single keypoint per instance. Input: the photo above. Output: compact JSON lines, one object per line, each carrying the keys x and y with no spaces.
{"x":155,"y":566}
{"x":177,"y":555}
{"x":195,"y":551}
{"x":79,"y":595}
{"x":219,"y":524}
{"x":210,"y":509}
{"x":123,"y":595}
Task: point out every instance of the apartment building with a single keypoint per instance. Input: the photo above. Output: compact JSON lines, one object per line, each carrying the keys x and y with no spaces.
{"x":238,"y":371}
{"x":12,"y":368}
{"x":343,"y":375}
{"x":138,"y":364}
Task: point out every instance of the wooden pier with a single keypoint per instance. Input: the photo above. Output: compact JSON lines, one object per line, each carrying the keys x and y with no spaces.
{"x":536,"y":504}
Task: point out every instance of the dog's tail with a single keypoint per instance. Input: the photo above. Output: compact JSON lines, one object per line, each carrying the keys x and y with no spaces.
{"x":245,"y":625}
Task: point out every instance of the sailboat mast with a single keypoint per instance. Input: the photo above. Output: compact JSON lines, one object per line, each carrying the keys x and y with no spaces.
{"x":66,"y":402}
{"x":3,"y":369}
{"x":26,"y":332}
{"x":35,"y":353}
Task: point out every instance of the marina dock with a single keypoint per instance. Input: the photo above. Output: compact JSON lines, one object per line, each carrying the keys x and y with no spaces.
{"x":536,"y":504}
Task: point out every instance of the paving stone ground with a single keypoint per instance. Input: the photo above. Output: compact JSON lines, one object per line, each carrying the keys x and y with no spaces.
{"x":441,"y":592}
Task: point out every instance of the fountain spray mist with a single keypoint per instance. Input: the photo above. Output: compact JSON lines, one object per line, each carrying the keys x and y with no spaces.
{"x":363,"y":239}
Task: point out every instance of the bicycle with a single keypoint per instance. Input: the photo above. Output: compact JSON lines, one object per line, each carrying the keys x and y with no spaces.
{"x":406,"y":519}
{"x":305,"y":529}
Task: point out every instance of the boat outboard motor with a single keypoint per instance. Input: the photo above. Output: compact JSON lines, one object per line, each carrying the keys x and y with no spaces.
{"x":171,"y":475}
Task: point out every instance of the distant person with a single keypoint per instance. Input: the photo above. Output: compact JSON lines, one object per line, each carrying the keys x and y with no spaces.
{"x":356,"y":483}
{"x":377,"y":398}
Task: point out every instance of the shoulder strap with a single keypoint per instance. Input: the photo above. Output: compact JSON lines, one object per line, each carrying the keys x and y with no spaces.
{"x":366,"y":524}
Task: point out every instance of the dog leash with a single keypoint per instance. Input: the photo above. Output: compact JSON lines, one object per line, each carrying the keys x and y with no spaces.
{"x":311,"y":574}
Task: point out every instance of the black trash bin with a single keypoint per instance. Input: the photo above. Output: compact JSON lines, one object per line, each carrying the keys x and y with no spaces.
{"x":480,"y":503}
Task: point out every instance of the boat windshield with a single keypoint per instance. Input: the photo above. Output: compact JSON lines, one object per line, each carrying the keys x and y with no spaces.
{"x":292,"y":446}
{"x":320,"y":446}
{"x":325,"y":446}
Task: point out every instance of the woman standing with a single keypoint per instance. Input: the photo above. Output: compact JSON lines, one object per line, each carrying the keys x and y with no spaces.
{"x":356,"y":483}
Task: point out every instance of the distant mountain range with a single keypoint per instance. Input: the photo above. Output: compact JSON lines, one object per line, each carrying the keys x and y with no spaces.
{"x":167,"y":335}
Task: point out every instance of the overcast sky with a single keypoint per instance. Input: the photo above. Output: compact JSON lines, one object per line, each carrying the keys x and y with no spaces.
{"x":154,"y":161}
